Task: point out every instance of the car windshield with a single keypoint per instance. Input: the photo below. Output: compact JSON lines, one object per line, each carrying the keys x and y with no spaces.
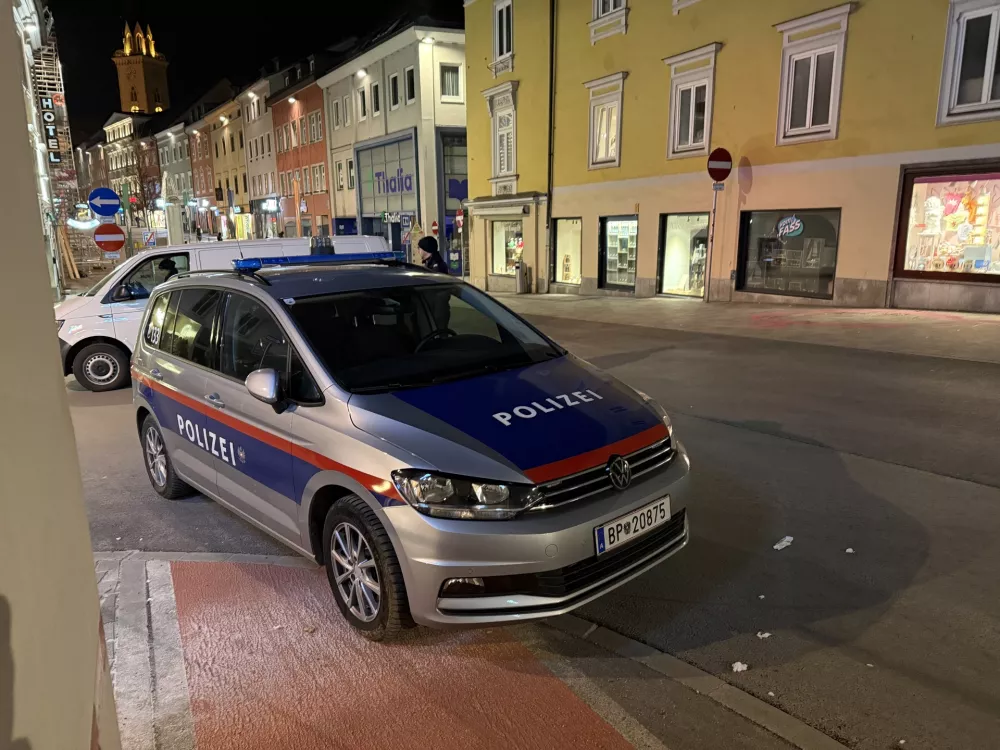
{"x":379,"y":340}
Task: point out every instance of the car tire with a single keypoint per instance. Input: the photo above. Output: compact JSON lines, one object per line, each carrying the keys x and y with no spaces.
{"x":159,"y":467}
{"x":101,"y":367}
{"x":392,"y":615}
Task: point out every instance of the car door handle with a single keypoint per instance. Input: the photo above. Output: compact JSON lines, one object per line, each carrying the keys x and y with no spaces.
{"x":156,"y":374}
{"x":214,"y":400}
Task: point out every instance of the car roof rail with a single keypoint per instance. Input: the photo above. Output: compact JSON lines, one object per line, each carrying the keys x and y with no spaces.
{"x":204,"y":271}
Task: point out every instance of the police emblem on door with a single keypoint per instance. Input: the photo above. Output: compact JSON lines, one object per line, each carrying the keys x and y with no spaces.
{"x":619,"y":472}
{"x":241,"y":454}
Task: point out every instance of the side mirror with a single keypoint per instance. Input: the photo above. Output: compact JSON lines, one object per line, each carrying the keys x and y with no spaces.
{"x":122,"y":293}
{"x":263,"y":385}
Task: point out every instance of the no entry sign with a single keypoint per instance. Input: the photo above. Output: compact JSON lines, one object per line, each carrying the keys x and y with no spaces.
{"x":109,"y":237}
{"x":434,"y":228}
{"x":720,"y":164}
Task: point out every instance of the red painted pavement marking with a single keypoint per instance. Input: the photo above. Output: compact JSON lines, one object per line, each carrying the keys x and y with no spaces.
{"x":258,"y":679}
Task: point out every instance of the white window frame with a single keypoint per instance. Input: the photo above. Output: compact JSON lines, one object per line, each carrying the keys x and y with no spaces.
{"x":949,"y":111}
{"x":501,"y":100}
{"x":681,"y":4}
{"x":393,"y":106}
{"x":409,"y":96}
{"x":460,"y":99}
{"x":347,"y":111}
{"x":340,"y":176}
{"x":376,"y":99}
{"x":336,"y":113}
{"x":604,"y":91}
{"x":362,"y":103}
{"x":317,"y":178}
{"x":503,"y":59}
{"x":608,"y":23}
{"x":831,"y":35}
{"x":690,"y":70}
{"x":350,"y":174}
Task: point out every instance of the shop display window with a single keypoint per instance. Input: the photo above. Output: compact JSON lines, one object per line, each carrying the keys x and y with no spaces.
{"x":619,"y":248}
{"x":569,"y":242}
{"x":954,"y":226}
{"x":684,"y":239}
{"x":508,"y":244}
{"x":789,"y":252}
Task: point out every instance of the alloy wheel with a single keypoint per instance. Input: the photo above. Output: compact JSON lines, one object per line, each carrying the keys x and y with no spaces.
{"x":156,"y":457}
{"x":355,"y":572}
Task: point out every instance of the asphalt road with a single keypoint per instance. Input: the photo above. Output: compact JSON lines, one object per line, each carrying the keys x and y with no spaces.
{"x":891,"y":456}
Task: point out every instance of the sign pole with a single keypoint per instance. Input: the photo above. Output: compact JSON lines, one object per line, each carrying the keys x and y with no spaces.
{"x":720,"y":165}
{"x":711,"y":247}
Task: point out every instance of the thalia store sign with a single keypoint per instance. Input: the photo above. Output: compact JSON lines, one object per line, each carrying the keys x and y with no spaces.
{"x":399,"y":182}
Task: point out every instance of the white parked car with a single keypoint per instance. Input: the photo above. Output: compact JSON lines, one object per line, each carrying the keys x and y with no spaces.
{"x":98,"y":328}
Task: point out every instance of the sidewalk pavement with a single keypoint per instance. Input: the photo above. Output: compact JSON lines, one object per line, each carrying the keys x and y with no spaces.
{"x":965,"y":336}
{"x":252,"y":653}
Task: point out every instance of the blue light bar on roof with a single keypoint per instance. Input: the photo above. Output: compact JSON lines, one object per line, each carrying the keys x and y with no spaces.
{"x":249,"y":265}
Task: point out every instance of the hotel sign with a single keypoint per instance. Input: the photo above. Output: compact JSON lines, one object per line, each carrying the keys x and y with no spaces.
{"x":48,"y":108}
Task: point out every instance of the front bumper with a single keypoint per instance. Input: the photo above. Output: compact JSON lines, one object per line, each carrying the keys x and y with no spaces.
{"x":545,"y":563}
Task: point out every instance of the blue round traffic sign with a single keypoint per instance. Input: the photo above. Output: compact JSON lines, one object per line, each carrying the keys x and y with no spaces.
{"x":104,"y":201}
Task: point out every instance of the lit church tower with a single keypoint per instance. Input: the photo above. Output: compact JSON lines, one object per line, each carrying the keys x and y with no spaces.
{"x":142,"y":73}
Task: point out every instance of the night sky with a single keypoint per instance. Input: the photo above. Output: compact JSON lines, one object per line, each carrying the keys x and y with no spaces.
{"x":205,"y":41}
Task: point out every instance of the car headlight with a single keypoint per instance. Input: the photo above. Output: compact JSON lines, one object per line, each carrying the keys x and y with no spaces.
{"x":456,"y":497}
{"x":59,"y":324}
{"x":660,"y":411}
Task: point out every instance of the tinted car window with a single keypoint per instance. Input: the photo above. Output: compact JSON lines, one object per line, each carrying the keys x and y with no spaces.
{"x":149,"y":275}
{"x":192,"y":330}
{"x":154,"y":327}
{"x":301,"y":387}
{"x":251,"y":339}
{"x":406,"y":337}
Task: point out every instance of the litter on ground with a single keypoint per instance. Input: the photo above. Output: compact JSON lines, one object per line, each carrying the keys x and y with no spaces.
{"x":785,"y":542}
{"x":770,"y":693}
{"x":763,"y":635}
{"x":739,"y":666}
{"x":761,"y":596}
{"x":849,"y":550}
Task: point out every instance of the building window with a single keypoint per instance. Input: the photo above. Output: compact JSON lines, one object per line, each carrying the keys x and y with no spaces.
{"x":306,"y":180}
{"x":569,"y":244}
{"x":297,"y":180}
{"x":340,"y":175}
{"x":350,"y":174}
{"x":501,"y":101}
{"x":362,"y":104}
{"x":451,"y":83}
{"x":216,"y":149}
{"x":610,"y":17}
{"x":503,"y":38}
{"x":508,"y":244}
{"x":812,"y":65}
{"x":410,"y":82}
{"x":788,"y":252}
{"x":336,"y":114}
{"x":394,"y":91}
{"x":606,"y":121}
{"x":683,"y":252}
{"x":376,"y":100}
{"x":952,"y":223}
{"x":268,"y":144}
{"x":315,"y":128}
{"x":318,"y":185}
{"x":244,"y":182}
{"x":347,"y":111}
{"x":241,"y":140}
{"x":232,"y":143}
{"x":692,"y":77}
{"x":303,"y":133}
{"x":619,"y":240}
{"x":679,"y":4}
{"x":284,"y":184}
{"x":970,"y":84}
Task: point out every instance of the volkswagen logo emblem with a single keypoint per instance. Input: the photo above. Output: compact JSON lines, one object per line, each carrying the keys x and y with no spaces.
{"x":619,"y":472}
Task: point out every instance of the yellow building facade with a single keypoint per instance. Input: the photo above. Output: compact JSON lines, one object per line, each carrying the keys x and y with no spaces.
{"x":865,"y":140}
{"x":229,"y":164}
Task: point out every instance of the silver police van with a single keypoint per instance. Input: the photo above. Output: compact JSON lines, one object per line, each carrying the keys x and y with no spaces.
{"x":447,"y":462}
